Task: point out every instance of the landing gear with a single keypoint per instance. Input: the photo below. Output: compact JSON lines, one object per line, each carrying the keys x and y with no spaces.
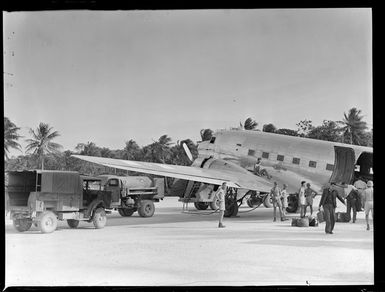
{"x":201,"y":205}
{"x":231,"y":205}
{"x":267,"y":202}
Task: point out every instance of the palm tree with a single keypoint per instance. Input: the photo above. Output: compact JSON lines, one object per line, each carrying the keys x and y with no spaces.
{"x":41,"y":142}
{"x":131,"y":151}
{"x":89,"y":149}
{"x":354,"y":127}
{"x":250,"y":124}
{"x":10,"y":136}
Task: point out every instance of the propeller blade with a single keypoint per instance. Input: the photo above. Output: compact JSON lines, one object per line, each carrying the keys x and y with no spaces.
{"x":187,"y":151}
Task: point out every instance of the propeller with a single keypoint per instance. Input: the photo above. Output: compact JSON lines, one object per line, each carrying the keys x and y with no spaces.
{"x":187,"y":151}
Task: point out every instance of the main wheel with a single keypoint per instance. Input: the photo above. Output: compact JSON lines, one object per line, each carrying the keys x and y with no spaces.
{"x":214,"y":205}
{"x":47,"y":222}
{"x":125,"y":212}
{"x":201,"y":205}
{"x":73,"y":223}
{"x":146,"y":208}
{"x":268,"y":202}
{"x":99,"y":219}
{"x":22,"y":225}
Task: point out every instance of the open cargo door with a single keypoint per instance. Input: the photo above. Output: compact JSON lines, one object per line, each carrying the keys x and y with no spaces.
{"x":344,"y":161}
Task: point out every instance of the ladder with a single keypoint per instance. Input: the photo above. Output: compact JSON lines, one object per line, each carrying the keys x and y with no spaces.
{"x":190,"y":191}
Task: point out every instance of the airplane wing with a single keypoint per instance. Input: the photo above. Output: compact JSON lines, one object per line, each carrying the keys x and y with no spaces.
{"x":210,"y":176}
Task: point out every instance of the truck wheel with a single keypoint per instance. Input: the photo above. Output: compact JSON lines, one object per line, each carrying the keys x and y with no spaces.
{"x":201,"y":205}
{"x":22,"y":225}
{"x":267,"y":202}
{"x":73,"y":223}
{"x":146,"y":208}
{"x":214,"y":205}
{"x":47,"y":222}
{"x":126,"y":212}
{"x":99,"y":219}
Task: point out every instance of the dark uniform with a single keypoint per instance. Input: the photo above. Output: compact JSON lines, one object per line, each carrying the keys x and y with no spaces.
{"x":329,"y":203}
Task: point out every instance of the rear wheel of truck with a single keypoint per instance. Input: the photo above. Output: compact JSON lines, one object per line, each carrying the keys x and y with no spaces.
{"x":99,"y":219}
{"x":73,"y":223}
{"x":126,"y":212}
{"x":47,"y":222}
{"x":22,"y":225}
{"x":146,"y":208}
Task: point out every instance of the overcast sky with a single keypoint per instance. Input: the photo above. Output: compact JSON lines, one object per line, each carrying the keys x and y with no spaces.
{"x":108,"y":77}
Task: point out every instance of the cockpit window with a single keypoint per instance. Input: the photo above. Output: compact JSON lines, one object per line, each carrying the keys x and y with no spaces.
{"x":212,"y":140}
{"x":113,"y":182}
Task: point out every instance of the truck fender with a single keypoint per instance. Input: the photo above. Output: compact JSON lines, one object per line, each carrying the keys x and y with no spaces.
{"x":92,"y":207}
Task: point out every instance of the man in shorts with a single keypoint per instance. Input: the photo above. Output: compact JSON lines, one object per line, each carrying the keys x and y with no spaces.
{"x":309,"y":195}
{"x":367,"y":195}
{"x":275,"y":194}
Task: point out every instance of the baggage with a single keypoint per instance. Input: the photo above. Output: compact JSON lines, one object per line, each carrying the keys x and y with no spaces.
{"x":303,"y":222}
{"x":343,"y":217}
{"x":320,"y":216}
{"x":313,"y":221}
{"x":294,"y":221}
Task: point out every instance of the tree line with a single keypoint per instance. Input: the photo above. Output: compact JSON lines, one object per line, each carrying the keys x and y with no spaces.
{"x":42,"y":152}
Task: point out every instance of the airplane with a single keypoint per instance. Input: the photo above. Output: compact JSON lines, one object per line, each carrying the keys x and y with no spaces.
{"x":230,"y":156}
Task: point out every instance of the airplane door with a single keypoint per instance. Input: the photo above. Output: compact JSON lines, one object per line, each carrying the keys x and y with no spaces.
{"x":344,"y":160}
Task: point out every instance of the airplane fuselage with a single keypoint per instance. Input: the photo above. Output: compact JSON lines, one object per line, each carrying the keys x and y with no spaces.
{"x":289,"y":159}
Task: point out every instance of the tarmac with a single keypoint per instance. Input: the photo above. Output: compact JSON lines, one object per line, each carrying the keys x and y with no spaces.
{"x":178,"y":249}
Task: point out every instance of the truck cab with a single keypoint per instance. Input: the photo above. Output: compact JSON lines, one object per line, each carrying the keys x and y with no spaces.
{"x":134,"y":193}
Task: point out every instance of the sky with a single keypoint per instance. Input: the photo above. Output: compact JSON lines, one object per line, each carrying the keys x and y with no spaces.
{"x":111,"y":76}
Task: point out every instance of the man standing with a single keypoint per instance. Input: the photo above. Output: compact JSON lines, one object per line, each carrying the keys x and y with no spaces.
{"x":360,"y":185}
{"x":328,"y":204}
{"x":284,"y":199}
{"x":351,"y":196}
{"x":220,"y":196}
{"x":309,"y":195}
{"x":368,"y":202}
{"x":275,"y":194}
{"x":301,"y":199}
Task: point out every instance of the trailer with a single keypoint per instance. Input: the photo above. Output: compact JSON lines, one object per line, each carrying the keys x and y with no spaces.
{"x":134,"y":193}
{"x":42,"y":197}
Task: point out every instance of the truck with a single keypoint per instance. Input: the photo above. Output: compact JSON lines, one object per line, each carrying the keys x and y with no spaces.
{"x":42,"y":197}
{"x":134,"y":193}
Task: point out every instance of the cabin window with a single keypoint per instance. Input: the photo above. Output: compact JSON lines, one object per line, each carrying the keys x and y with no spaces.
{"x":280,"y":157}
{"x":239,"y":145}
{"x":296,"y":160}
{"x":113,"y":182}
{"x":212,"y":140}
{"x":312,"y":164}
{"x":329,"y":167}
{"x":251,"y":152}
{"x":265,"y":155}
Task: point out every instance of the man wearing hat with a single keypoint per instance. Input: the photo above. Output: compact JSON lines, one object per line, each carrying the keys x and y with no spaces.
{"x":367,"y":195}
{"x":328,"y":203}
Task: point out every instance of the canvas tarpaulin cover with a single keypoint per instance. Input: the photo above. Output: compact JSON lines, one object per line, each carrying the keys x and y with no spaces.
{"x":60,"y":182}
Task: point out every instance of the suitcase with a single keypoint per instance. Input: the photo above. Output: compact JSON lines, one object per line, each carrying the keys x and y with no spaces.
{"x":320,"y":216}
{"x":303,"y":222}
{"x":294,"y":221}
{"x":313,"y":222}
{"x":343,"y":217}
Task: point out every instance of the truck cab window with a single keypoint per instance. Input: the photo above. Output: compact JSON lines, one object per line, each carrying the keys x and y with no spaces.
{"x":113,"y":182}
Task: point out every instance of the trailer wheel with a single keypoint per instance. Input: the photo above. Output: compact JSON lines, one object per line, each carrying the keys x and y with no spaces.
{"x":73,"y":223}
{"x":99,"y":219}
{"x":146,"y":208}
{"x":201,"y":205}
{"x":47,"y":222}
{"x":268,"y":202}
{"x":125,"y":212}
{"x":22,"y":225}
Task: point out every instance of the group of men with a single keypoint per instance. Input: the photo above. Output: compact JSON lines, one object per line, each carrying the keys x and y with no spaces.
{"x":355,"y":195}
